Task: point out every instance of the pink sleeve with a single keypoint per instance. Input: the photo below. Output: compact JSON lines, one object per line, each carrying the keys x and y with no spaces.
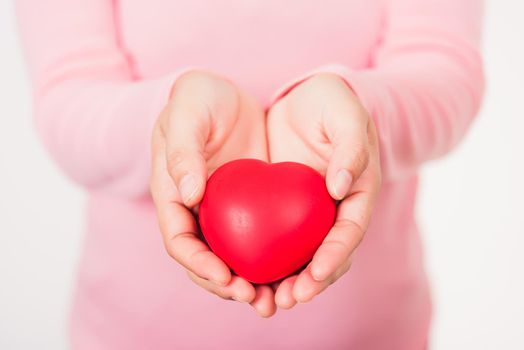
{"x":425,"y":83}
{"x":92,"y":112}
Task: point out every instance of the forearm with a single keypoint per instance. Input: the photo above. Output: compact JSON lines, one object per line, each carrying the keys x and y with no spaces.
{"x":93,"y":110}
{"x":99,"y":132}
{"x":425,"y":83}
{"x":422,"y":107}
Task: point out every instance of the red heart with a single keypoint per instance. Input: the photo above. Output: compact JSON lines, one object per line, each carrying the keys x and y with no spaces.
{"x":265,"y":221}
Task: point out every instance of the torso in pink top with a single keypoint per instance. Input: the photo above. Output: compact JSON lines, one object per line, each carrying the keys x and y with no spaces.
{"x":102,"y":71}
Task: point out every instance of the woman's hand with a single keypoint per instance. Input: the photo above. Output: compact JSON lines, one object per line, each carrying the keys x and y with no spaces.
{"x":321,"y":123}
{"x":207,"y":122}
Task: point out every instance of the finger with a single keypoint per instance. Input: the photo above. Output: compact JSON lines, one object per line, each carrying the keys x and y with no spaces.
{"x":162,"y":187}
{"x":284,"y":293}
{"x":178,"y":227}
{"x":347,"y":129}
{"x":264,"y":302}
{"x":238,"y":288}
{"x":189,"y":251}
{"x":181,"y":242}
{"x":353,"y":215}
{"x":306,"y":287}
{"x":186,"y":130}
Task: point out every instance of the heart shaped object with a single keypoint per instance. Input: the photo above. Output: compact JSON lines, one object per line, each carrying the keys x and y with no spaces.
{"x":265,"y":221}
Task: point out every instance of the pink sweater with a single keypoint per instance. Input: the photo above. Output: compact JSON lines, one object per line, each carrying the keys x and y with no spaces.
{"x":102,"y":71}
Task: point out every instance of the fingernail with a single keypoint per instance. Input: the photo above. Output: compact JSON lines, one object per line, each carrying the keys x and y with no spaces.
{"x":238,"y":299}
{"x":317,"y":274}
{"x":188,"y":187}
{"x":300,"y":297}
{"x":342,"y":183}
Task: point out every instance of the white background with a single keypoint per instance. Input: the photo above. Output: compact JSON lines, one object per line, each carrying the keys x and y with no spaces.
{"x":470,"y":210}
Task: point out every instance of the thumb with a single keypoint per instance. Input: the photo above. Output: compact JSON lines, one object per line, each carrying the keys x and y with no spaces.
{"x":186,"y":136}
{"x":350,"y":155}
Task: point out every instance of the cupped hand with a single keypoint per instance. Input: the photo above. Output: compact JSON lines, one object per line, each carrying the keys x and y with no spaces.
{"x":321,"y":123}
{"x":207,"y":122}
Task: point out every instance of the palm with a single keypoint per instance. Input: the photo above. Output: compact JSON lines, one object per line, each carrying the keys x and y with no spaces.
{"x":194,"y":136}
{"x":315,"y":132}
{"x":242,"y":136}
{"x":298,"y":142}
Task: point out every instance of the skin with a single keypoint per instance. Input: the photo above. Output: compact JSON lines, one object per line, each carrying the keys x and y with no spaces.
{"x":322,"y":123}
{"x":209,"y":122}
